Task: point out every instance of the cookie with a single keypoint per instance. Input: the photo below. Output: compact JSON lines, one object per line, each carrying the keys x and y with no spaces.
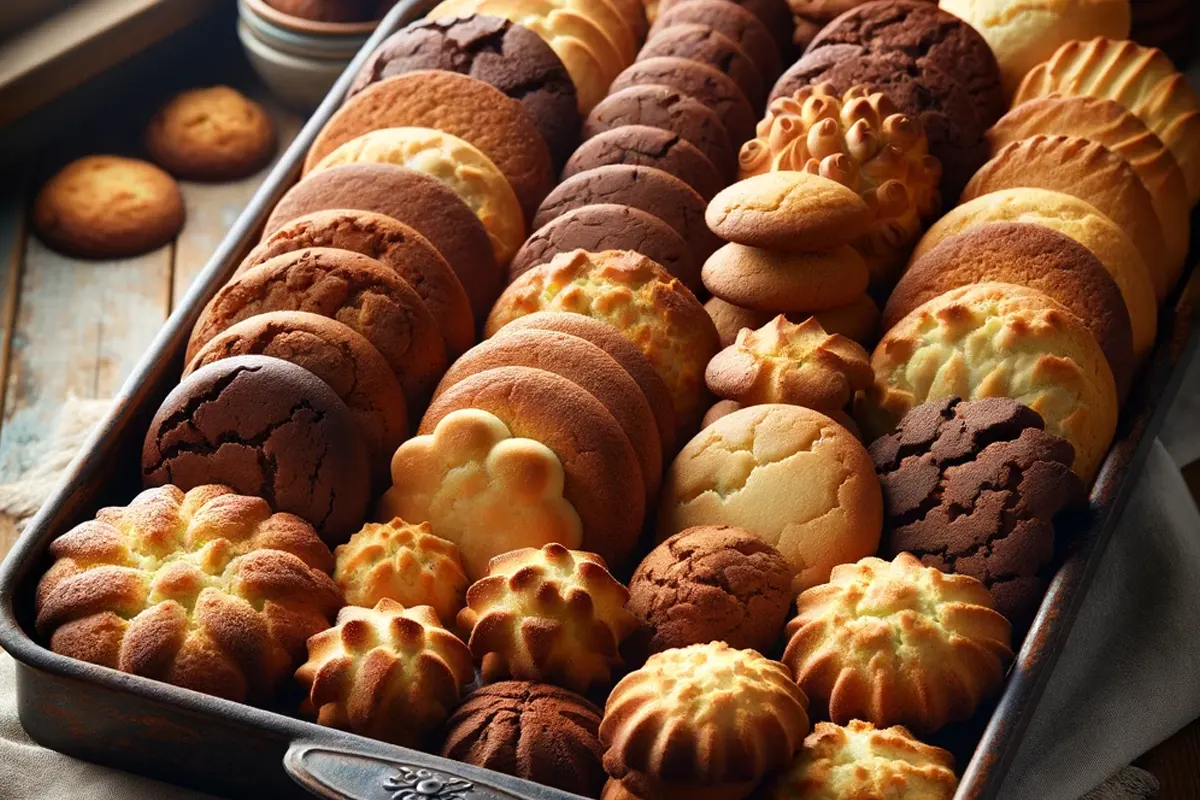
{"x":857,"y":320}
{"x":736,"y":23}
{"x":1083,"y":169}
{"x":699,"y":81}
{"x":932,"y":36}
{"x":769,"y":280}
{"x":349,"y":287}
{"x":772,"y":13}
{"x":788,"y":211}
{"x":1026,"y":255}
{"x":456,"y":104}
{"x":645,"y":188}
{"x":211,"y":134}
{"x":609,"y":227}
{"x":423,"y":203}
{"x":705,"y":45}
{"x":506,"y":55}
{"x":266,"y":428}
{"x":603,"y":484}
{"x":810,"y":16}
{"x":790,"y":475}
{"x":944,"y":504}
{"x":645,"y":146}
{"x":108,"y":207}
{"x":391,"y":243}
{"x":585,"y":365}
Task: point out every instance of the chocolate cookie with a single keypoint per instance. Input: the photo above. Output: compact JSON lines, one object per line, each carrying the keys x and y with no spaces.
{"x":508,"y":56}
{"x":609,"y":227}
{"x":534,"y":731}
{"x":701,"y":82}
{"x":671,"y":110}
{"x":349,"y":287}
{"x":425,"y":204}
{"x":703,"y":44}
{"x":973,"y":488}
{"x":939,"y":101}
{"x":933,"y":37}
{"x":391,"y":243}
{"x":735,"y":22}
{"x":644,"y":146}
{"x":775,"y":14}
{"x":335,"y":353}
{"x":645,"y":188}
{"x":265,"y":428}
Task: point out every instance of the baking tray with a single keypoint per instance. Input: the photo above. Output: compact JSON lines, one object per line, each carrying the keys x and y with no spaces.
{"x":191,"y":739}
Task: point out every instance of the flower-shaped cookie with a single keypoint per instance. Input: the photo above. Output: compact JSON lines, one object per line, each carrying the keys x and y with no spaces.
{"x":782,"y":362}
{"x":401,"y":562}
{"x":485,"y":490}
{"x":705,"y":716}
{"x":388,"y":672}
{"x":898,"y":643}
{"x":862,"y":141}
{"x":551,"y":615}
{"x":859,"y":760}
{"x":208,"y":590}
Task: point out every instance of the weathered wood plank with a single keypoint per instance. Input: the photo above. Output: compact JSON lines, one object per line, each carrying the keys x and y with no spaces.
{"x":12,"y":249}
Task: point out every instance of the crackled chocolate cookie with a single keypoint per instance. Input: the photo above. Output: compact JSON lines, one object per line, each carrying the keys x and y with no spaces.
{"x":707,"y":84}
{"x":707,"y":46}
{"x":644,"y":146}
{"x":973,"y":488}
{"x":735,"y":22}
{"x":265,"y":428}
{"x":773,"y":13}
{"x":508,"y":56}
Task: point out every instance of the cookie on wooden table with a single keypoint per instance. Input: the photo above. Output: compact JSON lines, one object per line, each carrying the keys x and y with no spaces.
{"x":644,"y":146}
{"x":211,"y":134}
{"x":705,"y":45}
{"x":702,"y":82}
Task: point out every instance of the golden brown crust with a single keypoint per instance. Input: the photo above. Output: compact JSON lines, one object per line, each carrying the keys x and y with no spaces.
{"x":770,"y":280}
{"x":211,"y":134}
{"x":857,"y":320}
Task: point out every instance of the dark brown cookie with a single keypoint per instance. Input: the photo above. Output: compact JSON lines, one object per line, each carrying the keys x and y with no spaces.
{"x":534,"y":731}
{"x":670,"y":110}
{"x":703,"y":44}
{"x":707,"y":84}
{"x":349,"y":287}
{"x":707,"y":584}
{"x":930,"y":35}
{"x":391,"y":243}
{"x":973,"y":488}
{"x":268,"y":429}
{"x":735,"y":22}
{"x":425,"y":204}
{"x":508,"y":56}
{"x":775,"y":14}
{"x":644,"y":146}
{"x":335,"y":353}
{"x":609,"y":227}
{"x":645,"y":188}
{"x":939,"y":101}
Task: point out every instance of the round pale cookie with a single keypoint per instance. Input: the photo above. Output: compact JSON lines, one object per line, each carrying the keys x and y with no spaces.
{"x":768,"y":280}
{"x":1106,"y":122}
{"x":391,"y":243}
{"x":997,"y":340}
{"x":645,"y":188}
{"x":335,"y":353}
{"x":671,"y":110}
{"x":108,"y":207}
{"x":458,"y":164}
{"x":616,"y":37}
{"x":790,"y":475}
{"x":650,"y":308}
{"x":425,"y":204}
{"x":739,"y":25}
{"x":1026,"y":255}
{"x":791,"y":211}
{"x":349,"y":287}
{"x":211,"y":134}
{"x":602,"y":479}
{"x":644,"y":146}
{"x":1141,"y":79}
{"x":508,"y":56}
{"x":705,"y":45}
{"x":609,"y":227}
{"x":459,"y":105}
{"x":625,"y":353}
{"x":705,"y":83}
{"x":857,"y":320}
{"x":1083,"y":223}
{"x":775,"y":14}
{"x":585,"y":365}
{"x":1083,"y":169}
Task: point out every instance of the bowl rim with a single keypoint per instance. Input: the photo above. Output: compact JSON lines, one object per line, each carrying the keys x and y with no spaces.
{"x":280,"y":57}
{"x":307,"y":26}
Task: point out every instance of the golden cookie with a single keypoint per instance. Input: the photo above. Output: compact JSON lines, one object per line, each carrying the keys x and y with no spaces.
{"x":791,"y":475}
{"x":857,"y":320}
{"x":211,"y":134}
{"x":770,"y":280}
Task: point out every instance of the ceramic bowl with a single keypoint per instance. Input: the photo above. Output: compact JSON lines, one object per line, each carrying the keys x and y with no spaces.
{"x":329,"y":40}
{"x":300,"y":82}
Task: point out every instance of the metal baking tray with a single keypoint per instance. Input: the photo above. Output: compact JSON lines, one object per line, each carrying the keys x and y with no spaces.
{"x":191,"y":739}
